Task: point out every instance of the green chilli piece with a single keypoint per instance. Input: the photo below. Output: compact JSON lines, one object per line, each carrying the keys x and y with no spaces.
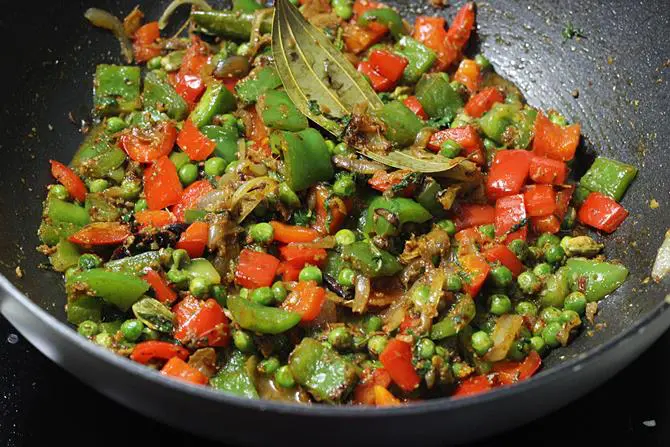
{"x":437,"y":97}
{"x":400,"y":210}
{"x":229,"y":24}
{"x":458,"y":317}
{"x":116,"y":89}
{"x":216,"y":100}
{"x":594,"y":279}
{"x":370,"y":260}
{"x":235,"y":378}
{"x":419,"y":58}
{"x":119,"y":289}
{"x":257,"y":83}
{"x":386,"y":16}
{"x":160,"y":95}
{"x":609,"y":177}
{"x":306,"y":157}
{"x":259,"y":318}
{"x":278,"y":112}
{"x":402,"y":125}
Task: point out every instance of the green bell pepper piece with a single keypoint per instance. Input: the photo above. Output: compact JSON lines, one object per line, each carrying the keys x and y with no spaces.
{"x":202,"y":268}
{"x":191,"y":216}
{"x":84,"y":308}
{"x":524,"y":122}
{"x":160,"y":95}
{"x":278,"y":112}
{"x":111,"y":327}
{"x":555,"y":289}
{"x":498,"y":119}
{"x":609,"y":177}
{"x":386,"y":16}
{"x":306,"y":157}
{"x":65,"y":256}
{"x":581,"y":193}
{"x":427,"y":197}
{"x":60,"y":211}
{"x":135,"y":265}
{"x":100,"y":209}
{"x":437,"y":97}
{"x":119,"y":289}
{"x":334,"y":263}
{"x":234,"y":378}
{"x":325,"y":374}
{"x":370,"y":260}
{"x":258,"y":82}
{"x":246,"y":5}
{"x":229,"y":24}
{"x":405,"y":210}
{"x":419,"y":57}
{"x":116,"y":89}
{"x":595,"y":279}
{"x":225,"y":137}
{"x":217,"y":99}
{"x":402,"y":125}
{"x":97,"y":157}
{"x":258,"y":318}
{"x":458,"y":318}
{"x":50,"y":233}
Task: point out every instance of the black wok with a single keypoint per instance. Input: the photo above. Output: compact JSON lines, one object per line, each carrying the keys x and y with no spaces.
{"x":619,"y":72}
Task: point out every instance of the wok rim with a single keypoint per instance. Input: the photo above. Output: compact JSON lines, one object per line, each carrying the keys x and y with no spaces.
{"x":442,"y":404}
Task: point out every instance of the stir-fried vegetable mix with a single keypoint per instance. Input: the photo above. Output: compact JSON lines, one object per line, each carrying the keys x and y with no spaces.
{"x":389,"y":222}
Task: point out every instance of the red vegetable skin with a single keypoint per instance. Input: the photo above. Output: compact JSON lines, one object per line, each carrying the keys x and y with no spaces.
{"x":508,"y":173}
{"x":67,"y":177}
{"x":188,"y":81}
{"x":554,"y":141}
{"x":148,"y":146}
{"x":364,"y":392}
{"x":379,"y":83}
{"x":468,"y":74}
{"x":602,"y":212}
{"x":510,"y":218}
{"x":257,"y":132}
{"x":189,"y":199}
{"x":481,"y":102}
{"x":144,"y":42}
{"x":509,"y":372}
{"x":466,"y":136}
{"x":154,"y":218}
{"x":412,"y":103}
{"x":148,"y":351}
{"x":468,"y":240}
{"x":196,"y":145}
{"x":201,"y":323}
{"x":473,"y":385}
{"x":162,"y":290}
{"x":540,"y":200}
{"x":461,"y":28}
{"x":162,"y":187}
{"x":563,"y":198}
{"x":101,"y":233}
{"x":472,"y":215}
{"x":547,"y":170}
{"x":397,"y":360}
{"x":194,"y":239}
{"x":288,"y":271}
{"x":503,"y":255}
{"x":256,"y":269}
{"x":330,"y":211}
{"x":179,"y":369}
{"x":358,"y":38}
{"x":545,"y":224}
{"x":292,"y":233}
{"x":389,"y":65}
{"x":382,"y":181}
{"x":477,"y":270}
{"x":306,"y":299}
{"x":384,"y":398}
{"x":298,"y":255}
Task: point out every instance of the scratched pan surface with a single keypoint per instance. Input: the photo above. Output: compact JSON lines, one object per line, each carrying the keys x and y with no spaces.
{"x":620,"y":71}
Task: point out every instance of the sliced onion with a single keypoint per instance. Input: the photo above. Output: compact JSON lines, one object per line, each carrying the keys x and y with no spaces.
{"x":358,"y":165}
{"x":172,"y":7}
{"x":662,"y":262}
{"x":429,"y":309}
{"x":103,"y":19}
{"x":325,"y":242}
{"x":204,"y":360}
{"x":395,"y":314}
{"x":250,"y":194}
{"x":216,"y":200}
{"x":505,"y":332}
{"x":362,"y":294}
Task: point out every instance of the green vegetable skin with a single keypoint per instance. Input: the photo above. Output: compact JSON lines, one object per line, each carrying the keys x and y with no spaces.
{"x":458,"y":318}
{"x":258,"y":318}
{"x":385,"y":16}
{"x":306,"y":157}
{"x":116,"y":89}
{"x":216,"y":100}
{"x":246,"y":5}
{"x":135,"y":265}
{"x":202,"y":268}
{"x":234,"y":378}
{"x":402,"y":125}
{"x":119,"y":289}
{"x":419,"y":57}
{"x":406,"y":210}
{"x":96,"y":157}
{"x":160,"y":95}
{"x":370,"y":260}
{"x":99,"y":209}
{"x":595,"y":279}
{"x":555,"y":289}
{"x":609,"y":177}
{"x":326,"y":375}
{"x":278,"y":112}
{"x":257,"y":83}
{"x":84,"y":308}
{"x":225,"y":137}
{"x":495,"y":121}
{"x":438,"y":97}
{"x":60,"y":211}
{"x":427,"y":197}
{"x":65,"y":256}
{"x":228,"y":24}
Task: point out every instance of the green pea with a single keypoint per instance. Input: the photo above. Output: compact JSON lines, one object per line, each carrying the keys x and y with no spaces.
{"x":459,"y":369}
{"x":330,"y":144}
{"x":487,"y":230}
{"x":537,"y":344}
{"x":542,"y":270}
{"x":374,"y":324}
{"x":104,"y":339}
{"x":547,"y":239}
{"x":482,"y":61}
{"x":345,"y":237}
{"x":535,"y":253}
{"x":340,"y":338}
{"x":88,"y":328}
{"x":130,"y":190}
{"x":311,"y":273}
{"x":198,"y":287}
{"x":179,"y":159}
{"x":243,"y":341}
{"x":447,"y":225}
{"x":425,"y":348}
{"x":154,"y":63}
{"x":500,"y":304}
{"x":576,"y":301}
{"x":89,"y":261}
{"x":454,"y":282}
{"x":215,"y":166}
{"x":519,"y":248}
{"x":550,"y":314}
{"x":481,"y":342}
{"x":450,"y":149}
{"x":150,"y":334}
{"x":244,"y":292}
{"x":115,"y":124}
{"x":132,"y":329}
{"x":519,"y":350}
{"x":377,"y":344}
{"x":279,"y":292}
{"x":262,"y":232}
{"x":554,"y":254}
{"x":343,"y":9}
{"x":550,"y":333}
{"x":218,"y":292}
{"x":526,"y":308}
{"x":501,"y":276}
{"x":188,"y":173}
{"x":284,"y":378}
{"x":344,"y":186}
{"x":269,"y":365}
{"x":141,"y":205}
{"x":528,"y":282}
{"x":263,"y":295}
{"x":98,"y":185}
{"x":346,"y":277}
{"x":232,"y":166}
{"x":570,"y":316}
{"x":420,"y":295}
{"x":341,"y":149}
{"x":59,"y":192}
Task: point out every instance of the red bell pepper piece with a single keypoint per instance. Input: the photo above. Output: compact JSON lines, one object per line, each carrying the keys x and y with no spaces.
{"x":101,"y":233}
{"x":306,"y":299}
{"x":508,"y":173}
{"x":481,"y":102}
{"x":364,"y":392}
{"x":256,"y":269}
{"x":190,"y":197}
{"x":360,"y":6}
{"x":299,"y":255}
{"x":461,"y":28}
{"x":382,"y":181}
{"x":468,"y":74}
{"x":506,"y":257}
{"x":67,"y":177}
{"x":602,"y":212}
{"x":188,"y":82}
{"x":144,"y":42}
{"x":431,"y":32}
{"x":397,"y":360}
{"x":545,"y":224}
{"x":547,"y":170}
{"x":330,"y":211}
{"x":194,"y":239}
{"x":148,"y":351}
{"x":358,"y":38}
{"x":179,"y":369}
{"x":511,"y":218}
{"x":162,"y":289}
{"x":162,"y":187}
{"x":196,"y":145}
{"x":474,"y":385}
{"x":563,"y":198}
{"x":412,"y":103}
{"x":256,"y":131}
{"x":540,"y":200}
{"x":466,"y":136}
{"x":293,"y":233}
{"x":469,"y":239}
{"x":387,"y":64}
{"x":384,"y":398}
{"x":201,"y":323}
{"x":379,"y":83}
{"x":477,"y":270}
{"x":148,"y":146}
{"x":554,"y":141}
{"x":288,"y":271}
{"x":509,"y":372}
{"x":154,"y":218}
{"x":472,"y":215}
{"x":230,"y":84}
